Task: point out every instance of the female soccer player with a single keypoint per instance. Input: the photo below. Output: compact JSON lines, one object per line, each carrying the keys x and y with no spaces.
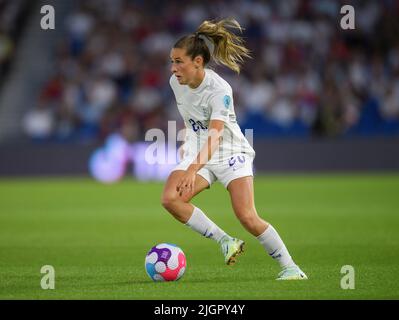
{"x":215,"y":148}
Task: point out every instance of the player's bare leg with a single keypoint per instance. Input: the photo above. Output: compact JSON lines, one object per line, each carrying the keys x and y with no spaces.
{"x":180,"y":207}
{"x":242,"y":198}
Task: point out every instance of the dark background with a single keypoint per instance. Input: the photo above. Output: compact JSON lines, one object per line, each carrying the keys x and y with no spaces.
{"x":317,"y":97}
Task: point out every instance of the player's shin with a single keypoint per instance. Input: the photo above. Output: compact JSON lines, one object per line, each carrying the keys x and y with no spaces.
{"x":275,"y":247}
{"x":200,"y":223}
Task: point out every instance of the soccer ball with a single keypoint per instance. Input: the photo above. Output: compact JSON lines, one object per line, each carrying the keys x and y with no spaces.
{"x":165,"y":262}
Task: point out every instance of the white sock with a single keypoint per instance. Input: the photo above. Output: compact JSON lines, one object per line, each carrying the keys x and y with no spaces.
{"x":275,"y":247}
{"x":202,"y":224}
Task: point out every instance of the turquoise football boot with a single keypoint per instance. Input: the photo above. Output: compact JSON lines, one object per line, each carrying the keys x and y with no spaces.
{"x":231,"y":248}
{"x":292,"y":273}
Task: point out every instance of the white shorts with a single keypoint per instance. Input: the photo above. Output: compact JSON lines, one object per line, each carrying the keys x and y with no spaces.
{"x":238,"y":166}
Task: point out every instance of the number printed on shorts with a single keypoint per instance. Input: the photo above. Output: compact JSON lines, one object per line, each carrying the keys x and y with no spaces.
{"x":237,"y":162}
{"x":197,"y":125}
{"x":233,"y":160}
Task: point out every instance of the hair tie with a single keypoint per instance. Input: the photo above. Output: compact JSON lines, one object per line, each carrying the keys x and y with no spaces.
{"x":207,"y":41}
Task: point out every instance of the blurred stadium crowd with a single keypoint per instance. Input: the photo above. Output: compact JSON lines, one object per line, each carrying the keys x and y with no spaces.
{"x":308,"y":77}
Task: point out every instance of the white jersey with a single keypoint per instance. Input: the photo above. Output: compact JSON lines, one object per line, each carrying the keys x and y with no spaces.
{"x":211,"y":100}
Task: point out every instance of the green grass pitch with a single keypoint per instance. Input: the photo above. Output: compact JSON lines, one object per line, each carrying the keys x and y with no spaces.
{"x":96,"y":238}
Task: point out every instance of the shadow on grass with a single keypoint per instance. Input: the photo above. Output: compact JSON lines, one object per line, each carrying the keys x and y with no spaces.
{"x":188,"y":281}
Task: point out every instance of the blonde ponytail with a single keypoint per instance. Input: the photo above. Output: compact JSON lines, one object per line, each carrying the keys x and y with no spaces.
{"x":228,"y":47}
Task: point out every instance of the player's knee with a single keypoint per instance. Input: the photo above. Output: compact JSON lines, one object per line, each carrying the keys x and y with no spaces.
{"x":167,"y":201}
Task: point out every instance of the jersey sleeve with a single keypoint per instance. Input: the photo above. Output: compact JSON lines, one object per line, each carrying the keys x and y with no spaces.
{"x":220,"y":105}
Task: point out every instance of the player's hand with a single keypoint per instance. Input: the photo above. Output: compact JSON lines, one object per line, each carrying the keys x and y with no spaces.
{"x":186,"y":183}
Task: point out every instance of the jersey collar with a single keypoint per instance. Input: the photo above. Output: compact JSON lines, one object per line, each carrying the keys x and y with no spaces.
{"x":203,"y":83}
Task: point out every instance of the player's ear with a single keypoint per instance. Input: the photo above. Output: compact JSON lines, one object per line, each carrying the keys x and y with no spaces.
{"x":198,"y":61}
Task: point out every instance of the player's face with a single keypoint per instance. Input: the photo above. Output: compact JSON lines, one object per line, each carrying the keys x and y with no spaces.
{"x":182,"y":66}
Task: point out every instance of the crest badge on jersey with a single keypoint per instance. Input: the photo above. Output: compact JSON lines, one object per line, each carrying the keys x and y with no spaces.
{"x":227,"y":101}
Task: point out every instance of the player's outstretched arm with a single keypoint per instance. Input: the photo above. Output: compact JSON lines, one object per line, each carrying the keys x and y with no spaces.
{"x":215,"y":132}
